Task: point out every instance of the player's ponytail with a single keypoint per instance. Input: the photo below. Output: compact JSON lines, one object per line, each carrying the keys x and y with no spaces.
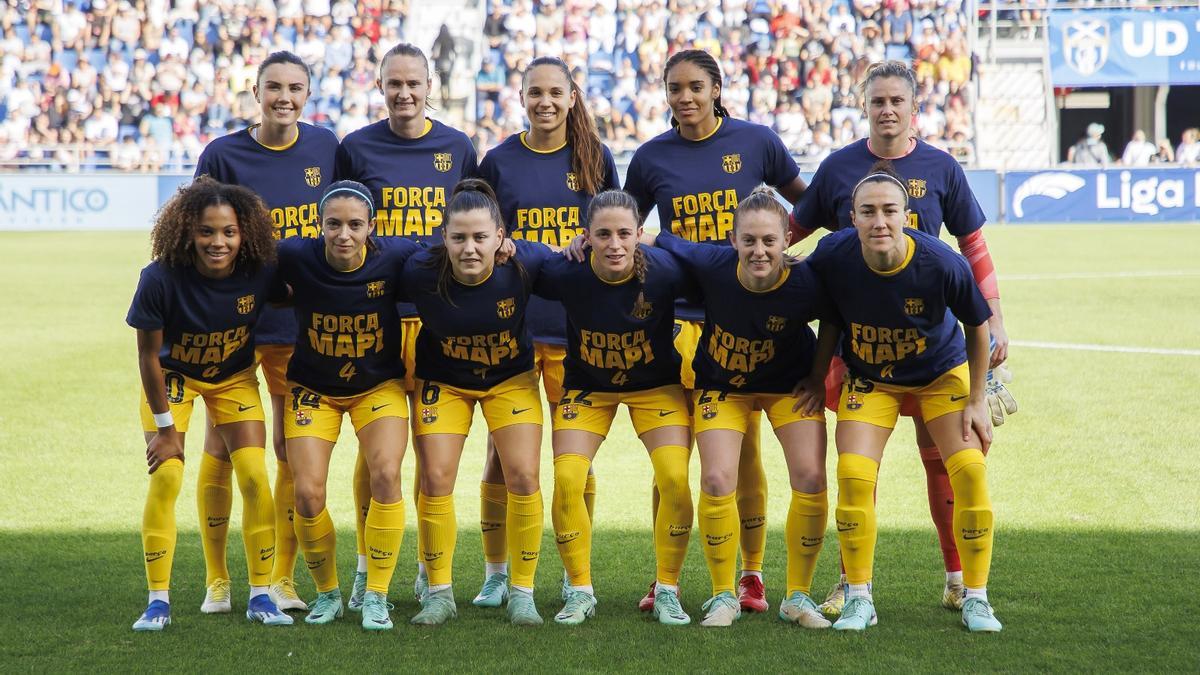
{"x":705,"y":62}
{"x":620,"y":199}
{"x":882,"y":172}
{"x":587,"y":153}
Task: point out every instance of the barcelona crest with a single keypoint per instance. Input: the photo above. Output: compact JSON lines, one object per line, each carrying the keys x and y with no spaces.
{"x":643,"y":310}
{"x":429,"y":414}
{"x":572,"y":181}
{"x":776,"y":323}
{"x":443,"y":161}
{"x":312,"y":176}
{"x":376,"y":289}
{"x":245,"y":304}
{"x":731,"y":163}
{"x":853,"y":402}
{"x":916,"y":187}
{"x":570,"y":411}
{"x":708,"y":411}
{"x":506,"y":307}
{"x":303,"y":418}
{"x":914,"y":306}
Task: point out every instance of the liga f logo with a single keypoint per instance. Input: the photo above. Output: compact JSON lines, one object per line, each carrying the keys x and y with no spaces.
{"x":442,"y":161}
{"x":312,"y":176}
{"x":1085,"y":45}
{"x":916,"y":187}
{"x":731,"y":163}
{"x":506,"y":308}
{"x":572,"y":181}
{"x":245,"y":304}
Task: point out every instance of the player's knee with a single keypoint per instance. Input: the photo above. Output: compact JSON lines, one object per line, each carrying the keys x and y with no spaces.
{"x":808,"y":477}
{"x":385,"y":483}
{"x":436,"y":480}
{"x":310,"y":498}
{"x":167,"y":480}
{"x":570,"y":477}
{"x":522,"y":480}
{"x":717,"y":481}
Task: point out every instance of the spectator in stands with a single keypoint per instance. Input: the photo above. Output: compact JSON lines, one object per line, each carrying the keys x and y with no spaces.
{"x":1188,"y":151}
{"x":1138,"y":150}
{"x":1091,"y":149}
{"x":1163,"y":154}
{"x":443,"y":56}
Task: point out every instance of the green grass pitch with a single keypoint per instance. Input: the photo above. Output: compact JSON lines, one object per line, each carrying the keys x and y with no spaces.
{"x":1098,"y":510}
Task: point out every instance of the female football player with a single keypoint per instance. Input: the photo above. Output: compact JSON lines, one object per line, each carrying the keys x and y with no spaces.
{"x":938,"y":193}
{"x":544,"y":179}
{"x":410,"y":163}
{"x":474,"y":348}
{"x":696,"y":174}
{"x":897,"y":295}
{"x":344,"y":287}
{"x":755,"y":345}
{"x":288,"y":164}
{"x":620,"y":307}
{"x":195,"y":310}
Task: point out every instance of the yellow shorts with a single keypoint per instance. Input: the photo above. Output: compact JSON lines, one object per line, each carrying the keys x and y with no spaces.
{"x":548,"y":360}
{"x":728,"y":410}
{"x":274,"y":362}
{"x":443,"y":409}
{"x":687,"y":341}
{"x":313,"y":415}
{"x":233,"y":400}
{"x":876,"y":403}
{"x":649,"y":409}
{"x":409,"y":328}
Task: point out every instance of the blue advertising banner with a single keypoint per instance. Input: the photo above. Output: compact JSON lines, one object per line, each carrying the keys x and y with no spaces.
{"x":1103,"y":195}
{"x":1102,"y":47}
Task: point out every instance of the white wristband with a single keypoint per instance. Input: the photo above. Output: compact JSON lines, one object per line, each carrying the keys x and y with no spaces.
{"x":163,"y":420}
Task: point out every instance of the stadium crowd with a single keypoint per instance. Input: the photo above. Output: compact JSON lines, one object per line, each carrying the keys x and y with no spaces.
{"x":143,"y":85}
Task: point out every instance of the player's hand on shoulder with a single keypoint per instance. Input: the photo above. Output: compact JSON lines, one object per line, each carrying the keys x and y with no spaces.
{"x":1000,"y":400}
{"x":577,"y":249}
{"x":167,"y":443}
{"x":506,"y":251}
{"x":810,"y":395}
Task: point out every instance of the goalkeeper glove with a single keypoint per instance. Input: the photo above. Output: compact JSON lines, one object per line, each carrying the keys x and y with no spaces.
{"x":1000,"y":401}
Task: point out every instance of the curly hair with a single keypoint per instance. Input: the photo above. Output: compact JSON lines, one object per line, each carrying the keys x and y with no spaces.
{"x":175,"y":223}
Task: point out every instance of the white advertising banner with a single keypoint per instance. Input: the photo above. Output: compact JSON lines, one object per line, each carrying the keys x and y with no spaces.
{"x":50,"y":201}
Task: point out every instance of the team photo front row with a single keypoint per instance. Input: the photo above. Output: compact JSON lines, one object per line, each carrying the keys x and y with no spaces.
{"x":697,"y":341}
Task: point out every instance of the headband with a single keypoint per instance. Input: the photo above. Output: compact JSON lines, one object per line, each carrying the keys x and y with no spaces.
{"x":365,"y":197}
{"x":884,"y":176}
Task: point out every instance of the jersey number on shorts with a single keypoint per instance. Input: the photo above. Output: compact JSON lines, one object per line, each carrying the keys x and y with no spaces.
{"x":308,"y":399}
{"x":174,"y":382}
{"x":430,"y":393}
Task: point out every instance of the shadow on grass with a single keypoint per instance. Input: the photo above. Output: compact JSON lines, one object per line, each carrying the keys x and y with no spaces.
{"x":1111,"y":600}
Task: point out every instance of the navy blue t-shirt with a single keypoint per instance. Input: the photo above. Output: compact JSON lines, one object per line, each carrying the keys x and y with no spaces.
{"x":410,"y":178}
{"x":208,"y":325}
{"x":478,"y":339}
{"x":938,"y":191}
{"x":349,"y":338}
{"x":613,"y":343}
{"x":697,"y":185}
{"x":541,"y":200}
{"x":290,"y":181}
{"x":752,"y":341}
{"x":900,"y":327}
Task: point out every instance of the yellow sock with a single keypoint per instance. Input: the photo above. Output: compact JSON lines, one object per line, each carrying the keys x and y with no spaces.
{"x":673,"y":525}
{"x":318,"y":541}
{"x":158,"y":523}
{"x":439,"y":534}
{"x":214,"y":498}
{"x":720,"y":529}
{"x":973,"y":517}
{"x":362,"y":503}
{"x":572,"y":527}
{"x":493,"y":507}
{"x":855,"y":515}
{"x":384,"y":533}
{"x":258,"y":513}
{"x":285,"y":530}
{"x":752,"y":498}
{"x":805,"y":534}
{"x":589,"y":496}
{"x":525,"y":516}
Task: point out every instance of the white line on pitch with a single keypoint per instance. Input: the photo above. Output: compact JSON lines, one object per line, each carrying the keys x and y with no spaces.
{"x":1099,"y":275}
{"x":1070,"y":346}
